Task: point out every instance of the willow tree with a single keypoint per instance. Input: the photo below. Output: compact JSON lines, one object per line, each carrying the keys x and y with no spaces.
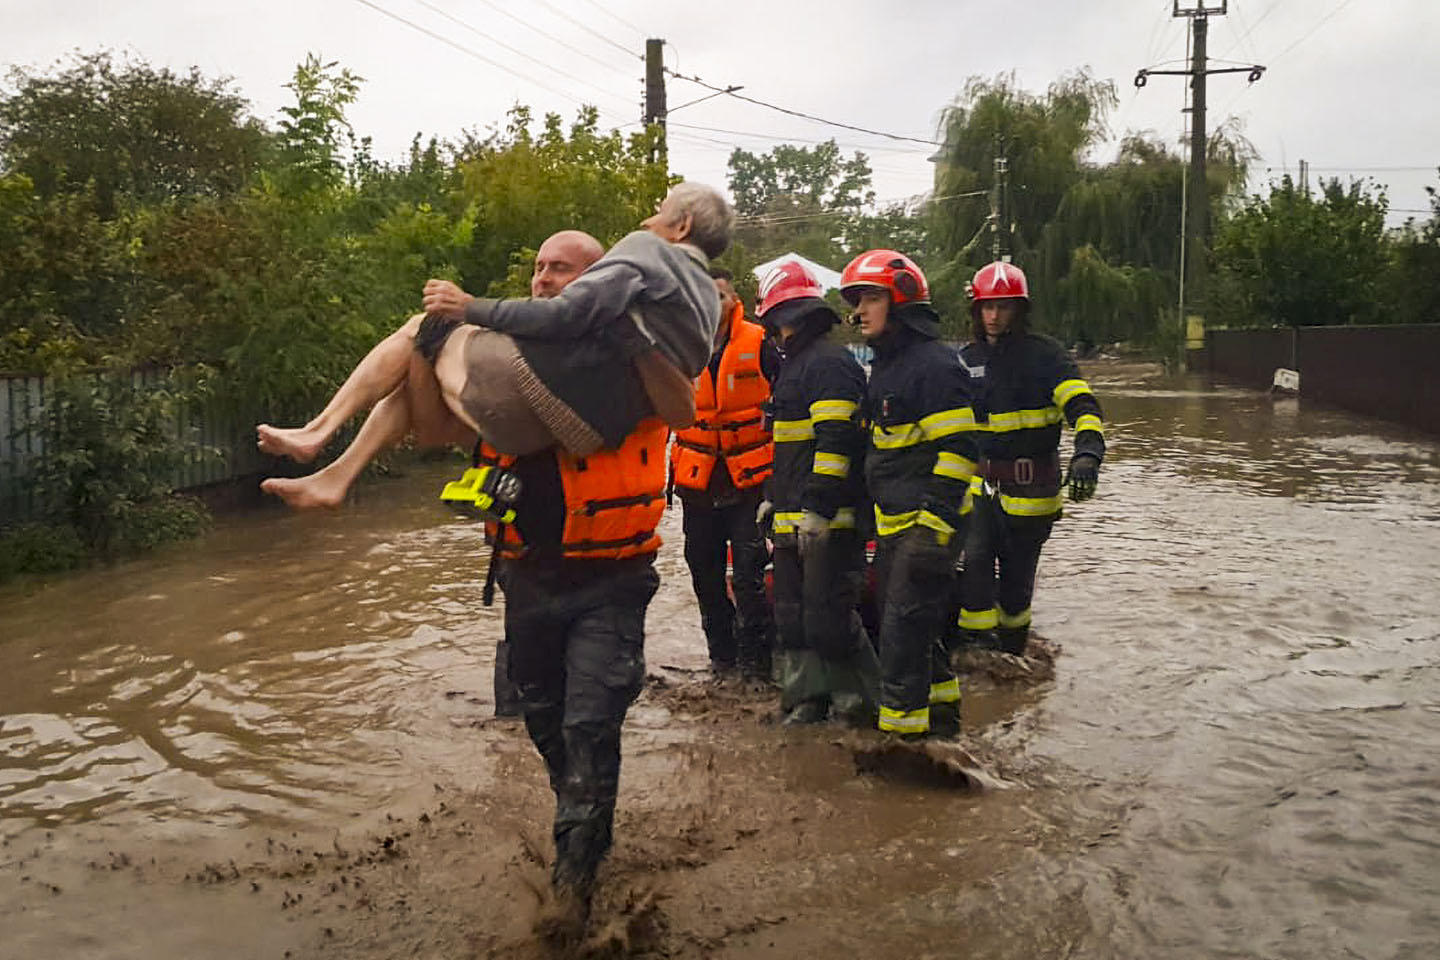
{"x":1100,"y":242}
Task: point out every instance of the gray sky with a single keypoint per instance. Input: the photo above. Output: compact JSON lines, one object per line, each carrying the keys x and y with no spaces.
{"x":1352,"y":87}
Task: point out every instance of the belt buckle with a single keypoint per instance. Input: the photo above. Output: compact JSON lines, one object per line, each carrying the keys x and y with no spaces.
{"x":1024,"y":471}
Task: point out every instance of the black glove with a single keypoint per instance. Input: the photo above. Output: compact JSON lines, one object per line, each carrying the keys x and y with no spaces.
{"x":1084,"y":475}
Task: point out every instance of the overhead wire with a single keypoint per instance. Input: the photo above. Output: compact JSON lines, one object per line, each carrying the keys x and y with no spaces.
{"x":616,"y":17}
{"x":467,"y":51}
{"x":797,"y":113}
{"x":591,"y":30}
{"x":909,"y":151}
{"x":554,"y":39}
{"x":519,"y":53}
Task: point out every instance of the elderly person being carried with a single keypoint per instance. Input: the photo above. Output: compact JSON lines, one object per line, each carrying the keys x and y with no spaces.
{"x":579,"y":370}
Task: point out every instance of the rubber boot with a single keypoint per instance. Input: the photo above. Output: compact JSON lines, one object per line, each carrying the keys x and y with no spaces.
{"x":1012,"y":640}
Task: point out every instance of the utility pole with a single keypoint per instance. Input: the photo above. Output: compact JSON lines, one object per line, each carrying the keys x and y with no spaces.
{"x":655,"y":111}
{"x":999,"y":235}
{"x":1196,"y":202}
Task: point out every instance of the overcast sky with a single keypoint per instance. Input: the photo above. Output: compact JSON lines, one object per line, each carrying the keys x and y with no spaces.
{"x":1352,"y":87}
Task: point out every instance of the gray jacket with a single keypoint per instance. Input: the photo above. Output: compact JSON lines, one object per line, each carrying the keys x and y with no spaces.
{"x":663,"y":288}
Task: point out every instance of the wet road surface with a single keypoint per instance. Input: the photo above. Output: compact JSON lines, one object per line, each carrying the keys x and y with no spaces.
{"x":1237,"y":757}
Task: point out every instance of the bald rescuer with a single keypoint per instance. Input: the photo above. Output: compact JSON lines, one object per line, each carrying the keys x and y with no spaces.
{"x":1023,"y":386}
{"x":578,"y":572}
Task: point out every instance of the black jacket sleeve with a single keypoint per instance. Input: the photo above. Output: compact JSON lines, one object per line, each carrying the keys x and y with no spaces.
{"x":948,"y":423}
{"x":835,"y":392}
{"x":1078,"y":404}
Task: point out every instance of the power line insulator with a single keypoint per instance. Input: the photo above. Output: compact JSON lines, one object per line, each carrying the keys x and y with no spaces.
{"x":1140,"y":79}
{"x":1256,"y":72}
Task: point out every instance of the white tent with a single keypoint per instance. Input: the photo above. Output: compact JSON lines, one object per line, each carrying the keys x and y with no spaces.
{"x":829,"y":279}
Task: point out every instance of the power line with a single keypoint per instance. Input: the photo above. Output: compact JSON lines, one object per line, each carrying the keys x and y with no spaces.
{"x":550,"y":36}
{"x":616,"y":17}
{"x":588,"y":29}
{"x":467,"y":51}
{"x":1306,"y":36}
{"x":797,"y":113}
{"x":760,"y":219}
{"x":789,"y":139}
{"x":519,"y":53}
{"x":1275,"y":4}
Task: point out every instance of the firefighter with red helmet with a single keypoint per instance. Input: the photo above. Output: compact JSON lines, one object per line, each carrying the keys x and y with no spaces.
{"x":1023,"y":386}
{"x":827,"y":664}
{"x":719,"y":466}
{"x":917,"y":470}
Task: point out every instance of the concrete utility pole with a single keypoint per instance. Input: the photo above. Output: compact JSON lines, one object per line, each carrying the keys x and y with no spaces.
{"x":999,"y":226}
{"x":655,"y":111}
{"x":1197,"y":198}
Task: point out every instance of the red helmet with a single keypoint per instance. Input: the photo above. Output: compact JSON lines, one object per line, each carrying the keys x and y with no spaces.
{"x":886,"y":270}
{"x":999,"y":281}
{"x":789,"y":280}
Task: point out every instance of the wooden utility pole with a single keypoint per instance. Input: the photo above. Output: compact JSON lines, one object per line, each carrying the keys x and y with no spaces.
{"x":655,"y":111}
{"x":1197,"y":195}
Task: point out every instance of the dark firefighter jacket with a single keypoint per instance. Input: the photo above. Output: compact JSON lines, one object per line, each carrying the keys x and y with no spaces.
{"x":922,"y":433}
{"x":1022,"y":387}
{"x":818,"y":443}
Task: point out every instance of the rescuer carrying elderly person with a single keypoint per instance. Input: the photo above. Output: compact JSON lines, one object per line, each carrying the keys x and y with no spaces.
{"x":620,"y":344}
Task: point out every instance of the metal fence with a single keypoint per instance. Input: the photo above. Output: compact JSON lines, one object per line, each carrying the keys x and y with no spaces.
{"x":221,"y":445}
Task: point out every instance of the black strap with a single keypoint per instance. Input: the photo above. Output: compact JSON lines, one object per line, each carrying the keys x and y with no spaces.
{"x":487,"y":596}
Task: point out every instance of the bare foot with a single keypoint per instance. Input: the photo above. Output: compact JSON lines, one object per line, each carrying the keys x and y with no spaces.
{"x":297,"y":443}
{"x":304,"y":493}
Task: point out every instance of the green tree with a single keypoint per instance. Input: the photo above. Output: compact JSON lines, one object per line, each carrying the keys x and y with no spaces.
{"x":807,"y":200}
{"x":127,"y":129}
{"x":1300,"y":260}
{"x":1413,"y":292}
{"x":523,"y":186}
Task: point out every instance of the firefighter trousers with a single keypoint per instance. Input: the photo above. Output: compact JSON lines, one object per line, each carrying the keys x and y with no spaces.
{"x":738,"y":632}
{"x":918,"y":692}
{"x":1002,"y":555}
{"x":577,"y":656}
{"x":829,"y":662}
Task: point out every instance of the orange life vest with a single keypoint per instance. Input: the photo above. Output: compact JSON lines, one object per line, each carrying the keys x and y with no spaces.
{"x":729,"y":416}
{"x":613,"y":499}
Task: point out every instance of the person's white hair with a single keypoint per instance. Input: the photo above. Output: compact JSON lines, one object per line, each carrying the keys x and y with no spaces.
{"x":712,"y":220}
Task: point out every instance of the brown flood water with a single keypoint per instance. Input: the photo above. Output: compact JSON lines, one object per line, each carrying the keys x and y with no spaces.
{"x":276,"y":742}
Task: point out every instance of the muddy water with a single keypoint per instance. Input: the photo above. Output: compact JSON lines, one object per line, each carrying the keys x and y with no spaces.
{"x":1237,"y":757}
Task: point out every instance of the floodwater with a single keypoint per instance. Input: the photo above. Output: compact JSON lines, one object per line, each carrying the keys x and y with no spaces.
{"x":205,"y":753}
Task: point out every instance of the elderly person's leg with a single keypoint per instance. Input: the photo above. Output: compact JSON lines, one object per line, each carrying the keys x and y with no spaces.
{"x":386,"y":426}
{"x":375,"y":377}
{"x":415,"y":407}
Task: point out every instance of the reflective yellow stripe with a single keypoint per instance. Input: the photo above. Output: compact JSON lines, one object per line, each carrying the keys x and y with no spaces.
{"x":1024,"y":419}
{"x":967,"y":505}
{"x":832,"y":410}
{"x":1021,"y":619}
{"x":787,"y":521}
{"x":1031,"y":506}
{"x":898,"y":435}
{"x":1068,"y":390}
{"x":888,"y":523}
{"x":979,"y":619}
{"x":943,"y":530}
{"x":832,"y":464}
{"x":947,"y":692}
{"x":1088,"y":421}
{"x":905,"y":721}
{"x":954,"y":466}
{"x":790,"y":431}
{"x":946,"y":422}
